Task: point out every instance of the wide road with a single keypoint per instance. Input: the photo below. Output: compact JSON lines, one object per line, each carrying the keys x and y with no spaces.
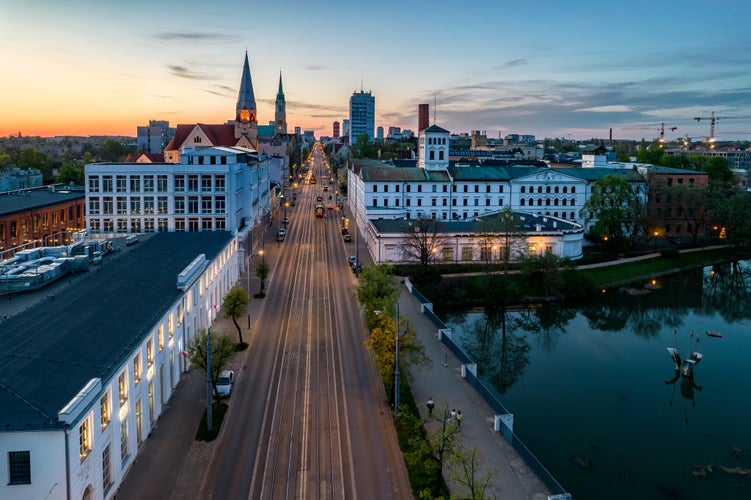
{"x":308,"y":417}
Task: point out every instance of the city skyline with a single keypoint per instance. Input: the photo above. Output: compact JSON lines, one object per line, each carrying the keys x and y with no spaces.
{"x":102,"y":68}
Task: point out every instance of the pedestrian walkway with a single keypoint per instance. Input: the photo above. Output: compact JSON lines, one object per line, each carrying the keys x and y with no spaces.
{"x":442,"y":381}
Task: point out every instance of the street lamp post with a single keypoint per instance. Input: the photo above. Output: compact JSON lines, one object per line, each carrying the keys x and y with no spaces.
{"x":396,"y":368}
{"x":209,"y":395}
{"x":656,"y":234}
{"x":263,"y":263}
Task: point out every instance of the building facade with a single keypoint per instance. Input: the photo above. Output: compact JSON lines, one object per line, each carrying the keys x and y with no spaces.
{"x":40,"y":217}
{"x":361,"y":116}
{"x":152,"y":139}
{"x":211,"y":189}
{"x":80,"y":400}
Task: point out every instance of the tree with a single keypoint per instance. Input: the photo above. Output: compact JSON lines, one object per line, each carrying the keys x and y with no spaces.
{"x":222,"y":350}
{"x":617,"y":210}
{"x":467,"y":469}
{"x":262,"y":272}
{"x":423,"y":241}
{"x":719,"y":170}
{"x":33,"y":158}
{"x":234,"y":305}
{"x":376,"y":292}
{"x":111,"y":150}
{"x":71,"y":173}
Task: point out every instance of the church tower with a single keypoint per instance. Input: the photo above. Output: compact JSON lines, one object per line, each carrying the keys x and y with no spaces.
{"x":280,"y":116}
{"x":246,"y":123}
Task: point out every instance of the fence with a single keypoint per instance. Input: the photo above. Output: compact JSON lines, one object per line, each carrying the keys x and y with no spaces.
{"x":490,"y":395}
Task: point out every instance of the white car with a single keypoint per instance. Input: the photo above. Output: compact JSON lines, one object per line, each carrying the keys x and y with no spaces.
{"x":225,"y":382}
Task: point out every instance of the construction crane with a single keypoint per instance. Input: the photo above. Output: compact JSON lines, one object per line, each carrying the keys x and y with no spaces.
{"x":712,"y":120}
{"x":661,"y":129}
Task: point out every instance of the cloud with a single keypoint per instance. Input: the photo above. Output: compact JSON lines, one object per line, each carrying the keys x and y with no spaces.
{"x":513,"y":63}
{"x":316,"y":67}
{"x":192,"y":37}
{"x":607,"y":109}
{"x":184,"y":72}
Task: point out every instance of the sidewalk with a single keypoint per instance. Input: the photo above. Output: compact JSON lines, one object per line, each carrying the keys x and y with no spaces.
{"x":442,"y":381}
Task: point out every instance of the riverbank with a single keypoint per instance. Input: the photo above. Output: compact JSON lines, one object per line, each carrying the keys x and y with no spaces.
{"x":571,"y":282}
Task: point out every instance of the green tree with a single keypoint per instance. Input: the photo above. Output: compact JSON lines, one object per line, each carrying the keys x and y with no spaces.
{"x":112,"y":150}
{"x":468,"y":469}
{"x":222,"y":350}
{"x":71,"y":173}
{"x":364,"y":148}
{"x":262,"y":272}
{"x":719,"y":170}
{"x":234,"y":305}
{"x":617,"y":210}
{"x":33,"y":158}
{"x":376,"y":292}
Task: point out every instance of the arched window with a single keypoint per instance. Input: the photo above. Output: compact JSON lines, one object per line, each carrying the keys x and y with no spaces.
{"x":555,"y":202}
{"x":573,"y":217}
{"x":565,"y":189}
{"x":547,"y":189}
{"x":539,"y":202}
{"x":524,"y":189}
{"x":547,"y":202}
{"x":556,"y":190}
{"x":573,"y":202}
{"x":531,"y":202}
{"x":539,"y":189}
{"x":573,"y":189}
{"x":522,"y":201}
{"x":563,"y":202}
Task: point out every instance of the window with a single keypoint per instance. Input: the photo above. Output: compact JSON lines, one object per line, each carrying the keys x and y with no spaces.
{"x":135,"y":205}
{"x":121,"y":183}
{"x":161,"y":183}
{"x":122,"y":205}
{"x":179,"y":183}
{"x":193,"y":204}
{"x":123,"y":387}
{"x":108,"y":206}
{"x":375,"y":202}
{"x":219,"y":183}
{"x":220,"y":224}
{"x":206,"y":183}
{"x":150,"y":352}
{"x":148,"y":183}
{"x":124,"y":440}
{"x":94,"y":184}
{"x":375,"y":188}
{"x":432,"y":155}
{"x":440,"y":155}
{"x":135,"y":184}
{"x":161,"y":337}
{"x":419,"y":188}
{"x":106,"y":469}
{"x":219,"y":205}
{"x":105,"y":410}
{"x":19,"y":467}
{"x":161,"y":204}
{"x":179,"y":204}
{"x":84,"y":439}
{"x":93,"y":209}
{"x":137,"y":368}
{"x":193,"y":183}
{"x":162,"y":224}
{"x":148,"y":205}
{"x":107,"y":183}
{"x":206,"y":204}
{"x":171,"y":326}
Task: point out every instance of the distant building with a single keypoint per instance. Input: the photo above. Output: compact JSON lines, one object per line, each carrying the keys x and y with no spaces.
{"x":336,"y":130}
{"x":13,"y":178}
{"x":345,"y":128}
{"x":38,"y":217}
{"x":298,"y":131}
{"x":154,"y":137}
{"x":362,"y":116}
{"x":211,"y":189}
{"x":379,"y":134}
{"x":280,"y":115}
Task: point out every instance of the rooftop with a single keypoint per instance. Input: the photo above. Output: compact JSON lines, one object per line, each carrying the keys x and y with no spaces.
{"x":21,"y":201}
{"x":87,"y":330}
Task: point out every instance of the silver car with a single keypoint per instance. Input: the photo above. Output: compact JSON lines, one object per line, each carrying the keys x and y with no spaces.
{"x":224,"y":383}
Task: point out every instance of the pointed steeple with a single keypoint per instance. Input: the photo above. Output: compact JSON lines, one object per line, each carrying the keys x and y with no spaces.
{"x":246,"y":99}
{"x":280,"y":93}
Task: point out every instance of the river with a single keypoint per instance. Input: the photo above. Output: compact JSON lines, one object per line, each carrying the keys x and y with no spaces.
{"x":596,"y":396}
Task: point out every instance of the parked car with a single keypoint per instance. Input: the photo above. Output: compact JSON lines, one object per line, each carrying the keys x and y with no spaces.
{"x":347,"y":237}
{"x":352,"y":261}
{"x":225,"y":382}
{"x":285,"y":221}
{"x":280,"y":235}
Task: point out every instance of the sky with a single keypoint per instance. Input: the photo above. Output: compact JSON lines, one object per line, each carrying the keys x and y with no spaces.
{"x":548,"y":68}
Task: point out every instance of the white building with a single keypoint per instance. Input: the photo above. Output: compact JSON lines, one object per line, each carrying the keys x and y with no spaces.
{"x":88,"y":371}
{"x":211,"y":189}
{"x":457,"y":192}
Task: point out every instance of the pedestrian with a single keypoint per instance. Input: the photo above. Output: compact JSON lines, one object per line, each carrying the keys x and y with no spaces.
{"x":452,"y":415}
{"x":430,"y":405}
{"x":459,"y":418}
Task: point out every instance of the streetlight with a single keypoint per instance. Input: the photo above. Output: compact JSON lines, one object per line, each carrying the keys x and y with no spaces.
{"x":656,"y":234}
{"x":209,"y":395}
{"x":263,"y":263}
{"x":396,"y":362}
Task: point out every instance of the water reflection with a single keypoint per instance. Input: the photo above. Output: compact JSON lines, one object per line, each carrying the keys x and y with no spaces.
{"x":592,"y":380}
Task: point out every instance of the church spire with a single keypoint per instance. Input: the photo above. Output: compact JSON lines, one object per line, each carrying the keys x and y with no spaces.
{"x":280,"y":115}
{"x":280,"y":93}
{"x":246,"y":99}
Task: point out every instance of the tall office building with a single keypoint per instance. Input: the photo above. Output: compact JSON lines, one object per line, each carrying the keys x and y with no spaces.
{"x":361,"y":116}
{"x":336,"y":129}
{"x":345,"y":128}
{"x":423,"y":117}
{"x":379,"y":134}
{"x":155,"y":137}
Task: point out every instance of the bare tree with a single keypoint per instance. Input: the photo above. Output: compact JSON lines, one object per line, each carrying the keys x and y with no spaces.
{"x":467,"y":469}
{"x":424,"y":240}
{"x":504,"y":232}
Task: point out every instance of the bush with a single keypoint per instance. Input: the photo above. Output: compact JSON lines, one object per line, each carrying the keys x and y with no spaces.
{"x":218,"y":409}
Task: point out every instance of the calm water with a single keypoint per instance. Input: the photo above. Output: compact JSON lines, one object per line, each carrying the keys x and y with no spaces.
{"x":592,"y":392}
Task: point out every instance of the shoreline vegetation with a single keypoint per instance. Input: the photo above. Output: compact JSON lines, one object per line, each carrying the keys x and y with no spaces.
{"x":483,"y":284}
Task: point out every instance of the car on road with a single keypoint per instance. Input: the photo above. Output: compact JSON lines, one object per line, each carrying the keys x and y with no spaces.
{"x":281,"y":234}
{"x":224,"y":383}
{"x":285,"y":221}
{"x":352,"y":261}
{"x":347,"y":237}
{"x":330,"y":206}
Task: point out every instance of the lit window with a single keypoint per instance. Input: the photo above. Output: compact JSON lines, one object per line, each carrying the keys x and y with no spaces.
{"x":105,"y":410}
{"x":84,"y":439}
{"x":123,"y":388}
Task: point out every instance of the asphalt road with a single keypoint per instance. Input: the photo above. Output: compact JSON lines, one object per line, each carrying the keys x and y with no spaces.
{"x":308,"y":417}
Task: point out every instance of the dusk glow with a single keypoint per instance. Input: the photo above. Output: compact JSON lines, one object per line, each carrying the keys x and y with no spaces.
{"x":549,"y":68}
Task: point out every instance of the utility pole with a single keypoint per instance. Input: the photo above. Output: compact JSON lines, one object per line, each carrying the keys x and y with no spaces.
{"x":209,"y":395}
{"x":396,"y":368}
